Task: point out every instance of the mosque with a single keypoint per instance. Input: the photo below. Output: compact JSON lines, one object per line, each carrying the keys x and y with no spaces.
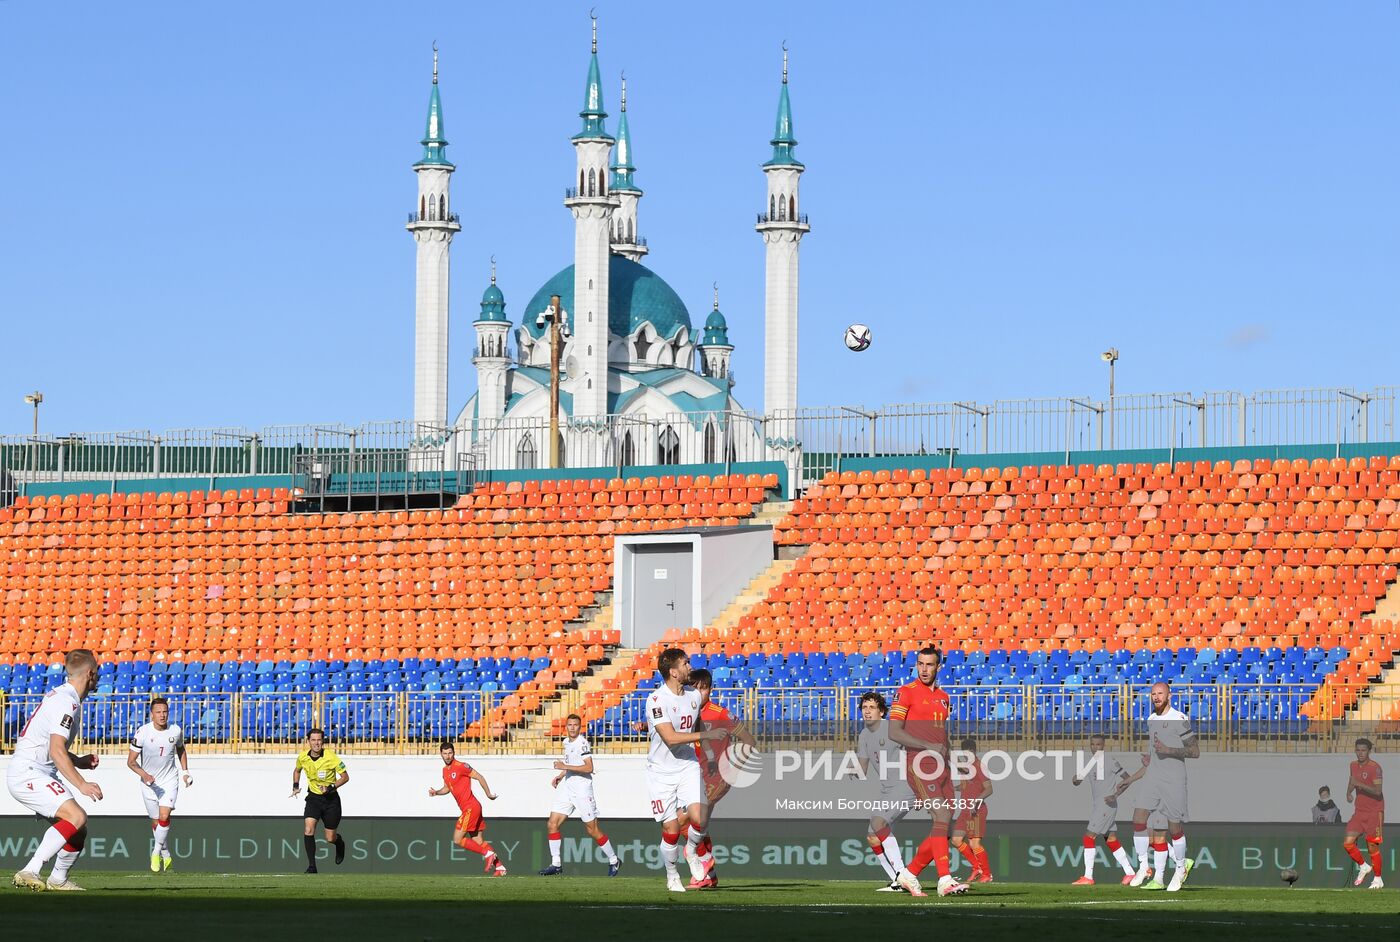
{"x":638,"y":383}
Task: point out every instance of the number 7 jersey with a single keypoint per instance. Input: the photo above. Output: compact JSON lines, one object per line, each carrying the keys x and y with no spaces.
{"x":681,"y":711}
{"x":158,"y":749}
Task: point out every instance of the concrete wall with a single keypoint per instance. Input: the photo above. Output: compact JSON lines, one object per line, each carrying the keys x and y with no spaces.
{"x":722,"y":563}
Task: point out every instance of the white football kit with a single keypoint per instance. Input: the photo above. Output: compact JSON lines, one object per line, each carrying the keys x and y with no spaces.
{"x":33,"y":778}
{"x":674,"y":781}
{"x":1103,"y":817}
{"x":1163,"y":787}
{"x":158,"y":752}
{"x":885,"y":761}
{"x":574,"y":794}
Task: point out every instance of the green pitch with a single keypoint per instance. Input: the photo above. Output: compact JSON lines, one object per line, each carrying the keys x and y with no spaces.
{"x":263,"y":907}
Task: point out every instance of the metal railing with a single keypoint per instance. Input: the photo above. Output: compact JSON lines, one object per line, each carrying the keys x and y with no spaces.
{"x":433,"y":217}
{"x":811,"y":441}
{"x":1228,"y":717}
{"x":765,"y":219}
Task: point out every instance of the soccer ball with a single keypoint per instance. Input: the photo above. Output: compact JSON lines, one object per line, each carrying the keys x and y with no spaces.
{"x":858,"y":337}
{"x":1289,"y":876}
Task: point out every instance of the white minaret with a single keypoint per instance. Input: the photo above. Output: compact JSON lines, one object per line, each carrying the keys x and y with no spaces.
{"x":782,"y":226}
{"x":492,"y":364}
{"x":625,"y":240}
{"x":433,"y":224}
{"x":592,"y":204}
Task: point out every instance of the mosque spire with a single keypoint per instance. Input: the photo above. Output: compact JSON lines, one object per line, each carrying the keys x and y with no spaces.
{"x":434,"y":143}
{"x":593,"y":114}
{"x":783,"y":141}
{"x":622,"y":168}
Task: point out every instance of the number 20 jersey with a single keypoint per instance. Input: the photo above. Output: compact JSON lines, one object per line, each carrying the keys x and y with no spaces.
{"x":681,"y":711}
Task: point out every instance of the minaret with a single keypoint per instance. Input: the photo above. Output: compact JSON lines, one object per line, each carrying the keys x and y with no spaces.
{"x":782,"y":226}
{"x":592,"y":204}
{"x":433,"y":224}
{"x":714,"y":345}
{"x":625,"y":241}
{"x":492,"y":364}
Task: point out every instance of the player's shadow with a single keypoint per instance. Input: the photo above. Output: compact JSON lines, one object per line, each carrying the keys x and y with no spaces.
{"x":751,"y":887}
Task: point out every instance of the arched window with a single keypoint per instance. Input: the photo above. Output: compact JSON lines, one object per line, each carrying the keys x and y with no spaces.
{"x":631,"y":231}
{"x":668,"y":448}
{"x":782,"y":207}
{"x":629,"y":450}
{"x":525,"y":454}
{"x":442,"y":205}
{"x":581,"y":190}
{"x":772,"y":209}
{"x":592,"y":183}
{"x":422,"y":208}
{"x":602,"y":184}
{"x":709,"y":456}
{"x":792,"y":207}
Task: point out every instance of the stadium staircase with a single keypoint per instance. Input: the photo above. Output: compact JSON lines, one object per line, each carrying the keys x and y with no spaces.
{"x":1380,"y":704}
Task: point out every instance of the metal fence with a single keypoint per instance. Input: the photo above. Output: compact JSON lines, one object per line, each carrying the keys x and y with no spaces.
{"x":1227,"y":717}
{"x":811,"y":441}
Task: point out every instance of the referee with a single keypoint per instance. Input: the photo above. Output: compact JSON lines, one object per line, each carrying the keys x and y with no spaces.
{"x":325,"y":776}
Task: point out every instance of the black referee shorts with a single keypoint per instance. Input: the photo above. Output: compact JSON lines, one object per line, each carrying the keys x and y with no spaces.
{"x":324,"y":807}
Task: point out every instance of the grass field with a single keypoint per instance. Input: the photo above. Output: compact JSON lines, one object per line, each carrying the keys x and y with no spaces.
{"x":217,"y":906}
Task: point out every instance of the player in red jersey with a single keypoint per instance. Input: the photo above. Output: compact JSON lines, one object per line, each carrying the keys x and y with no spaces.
{"x":457,"y":778}
{"x":1368,"y":815}
{"x":712,"y":716}
{"x":971,"y":826}
{"x":918,"y":722}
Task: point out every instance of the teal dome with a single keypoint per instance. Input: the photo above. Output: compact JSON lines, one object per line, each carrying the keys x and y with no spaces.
{"x":493,"y":304}
{"x":716,"y":330}
{"x":636,"y":296}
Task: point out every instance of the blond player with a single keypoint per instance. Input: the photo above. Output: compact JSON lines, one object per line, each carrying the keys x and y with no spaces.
{"x":573,"y":795}
{"x":39,"y":766}
{"x":158,"y":758}
{"x":674,"y":782}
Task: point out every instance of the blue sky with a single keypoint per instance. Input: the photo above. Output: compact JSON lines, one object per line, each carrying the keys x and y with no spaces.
{"x":202,"y":207}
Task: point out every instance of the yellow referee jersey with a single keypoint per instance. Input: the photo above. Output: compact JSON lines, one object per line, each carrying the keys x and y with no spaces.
{"x":321,"y":772}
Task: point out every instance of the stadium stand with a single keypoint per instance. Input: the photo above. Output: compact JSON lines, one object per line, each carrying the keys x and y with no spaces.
{"x":204,"y":596}
{"x":1246,"y":572}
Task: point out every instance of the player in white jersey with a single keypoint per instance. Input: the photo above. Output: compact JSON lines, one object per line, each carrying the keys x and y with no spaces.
{"x":40,"y":764}
{"x":158,"y":758}
{"x":674,"y":781}
{"x":1107,"y":780}
{"x":882,"y":761}
{"x":1171,"y":740}
{"x":573,"y":794}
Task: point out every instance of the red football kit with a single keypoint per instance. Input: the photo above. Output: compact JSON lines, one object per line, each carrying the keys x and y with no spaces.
{"x":714,"y":716}
{"x":924,"y":711}
{"x":973,"y":821}
{"x":1368,"y":814}
{"x":458,"y":777}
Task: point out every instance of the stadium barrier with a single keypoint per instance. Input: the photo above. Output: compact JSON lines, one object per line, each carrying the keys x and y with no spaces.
{"x":1228,"y":717}
{"x":812,"y":440}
